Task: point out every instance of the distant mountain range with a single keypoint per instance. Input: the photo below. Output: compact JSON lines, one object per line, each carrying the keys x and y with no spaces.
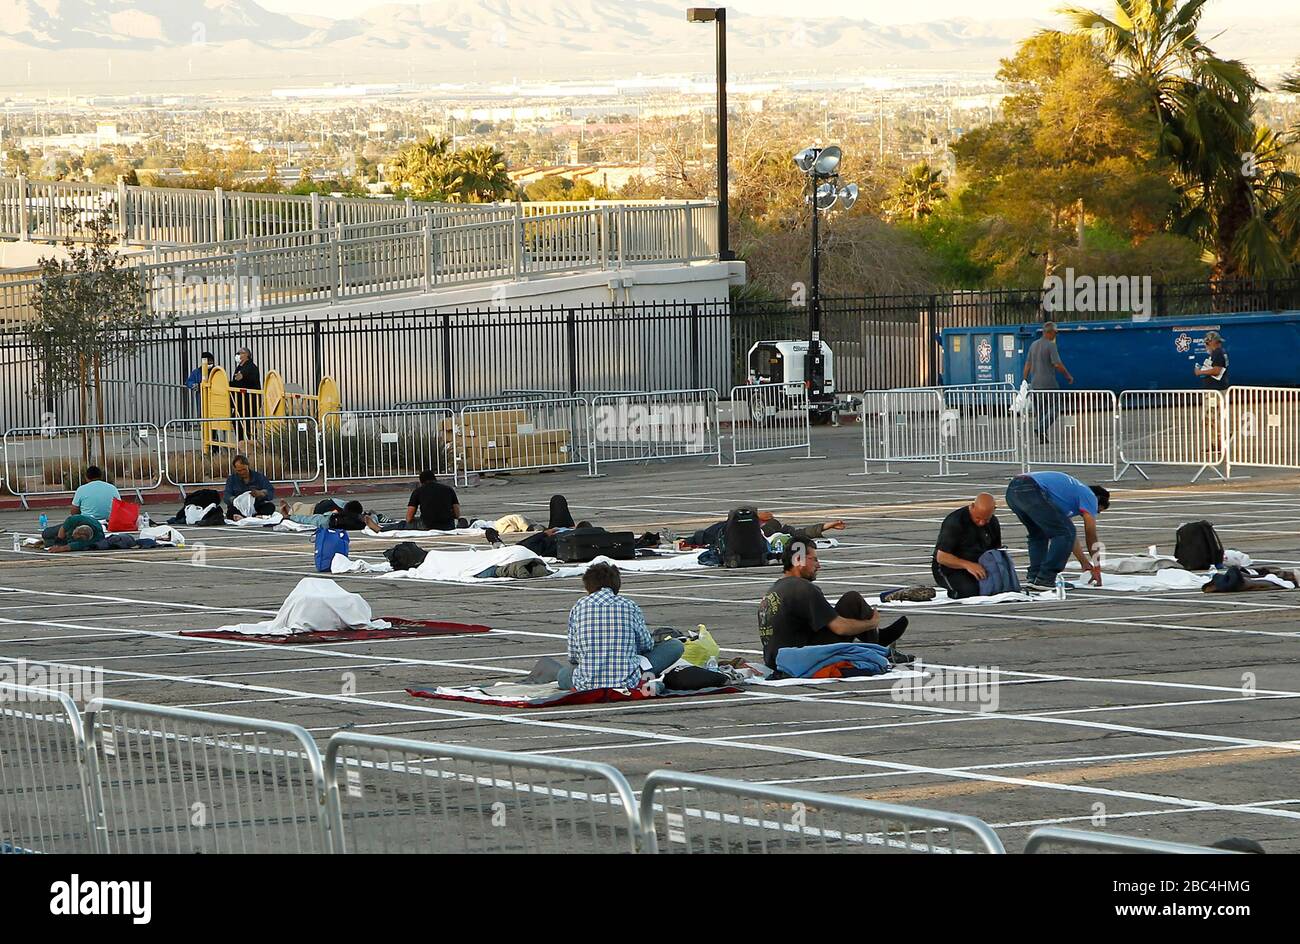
{"x":208,"y":43}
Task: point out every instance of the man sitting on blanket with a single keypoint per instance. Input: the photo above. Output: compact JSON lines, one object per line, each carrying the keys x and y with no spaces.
{"x":965,"y":535}
{"x":245,"y":480}
{"x":77,"y":533}
{"x":795,"y":612}
{"x":433,"y":506}
{"x":608,"y":635}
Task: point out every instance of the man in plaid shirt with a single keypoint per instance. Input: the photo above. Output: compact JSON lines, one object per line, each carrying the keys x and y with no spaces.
{"x":608,"y":635}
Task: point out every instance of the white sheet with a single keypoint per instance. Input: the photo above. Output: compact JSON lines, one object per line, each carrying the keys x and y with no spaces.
{"x":195,"y":514}
{"x":689,"y":561}
{"x":342,"y":564}
{"x":259,"y":521}
{"x":316,"y":604}
{"x":408,"y":535}
{"x":463,"y":566}
{"x":245,"y":504}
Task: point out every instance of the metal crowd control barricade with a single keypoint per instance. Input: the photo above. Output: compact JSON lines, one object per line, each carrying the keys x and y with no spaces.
{"x":1263,"y":427}
{"x":174,"y":780}
{"x":52,"y":460}
{"x":692,"y":813}
{"x":769,"y":417}
{"x":1054,"y":839}
{"x":396,"y":795}
{"x":1071,"y":427}
{"x":523,"y":435}
{"x":200,"y":451}
{"x":1171,"y":427}
{"x":911,"y":427}
{"x":47,"y":782}
{"x":660,"y":424}
{"x":369,"y":445}
{"x":978,"y":423}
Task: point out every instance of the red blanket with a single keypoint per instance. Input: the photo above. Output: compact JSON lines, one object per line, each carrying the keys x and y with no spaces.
{"x":590,"y":697}
{"x":401,"y":628}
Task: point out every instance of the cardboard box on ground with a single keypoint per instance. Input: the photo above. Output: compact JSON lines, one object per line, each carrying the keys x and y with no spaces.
{"x":506,"y":439}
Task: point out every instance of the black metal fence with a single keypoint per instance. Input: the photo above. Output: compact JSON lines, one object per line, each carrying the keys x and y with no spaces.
{"x":417,"y":356}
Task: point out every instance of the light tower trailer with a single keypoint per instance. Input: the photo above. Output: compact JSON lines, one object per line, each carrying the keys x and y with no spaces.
{"x":786,"y":362}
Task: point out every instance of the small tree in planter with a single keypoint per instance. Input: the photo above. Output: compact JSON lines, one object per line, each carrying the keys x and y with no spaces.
{"x":91,"y":310}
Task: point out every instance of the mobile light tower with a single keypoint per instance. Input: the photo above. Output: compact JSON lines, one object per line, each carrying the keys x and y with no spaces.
{"x":821,"y":167}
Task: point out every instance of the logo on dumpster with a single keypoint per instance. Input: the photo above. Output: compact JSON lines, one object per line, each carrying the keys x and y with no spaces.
{"x":1183,"y":344}
{"x":985,"y":351}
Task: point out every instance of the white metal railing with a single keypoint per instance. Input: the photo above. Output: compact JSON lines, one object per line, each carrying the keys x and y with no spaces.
{"x":691,"y":813}
{"x":1055,"y":839}
{"x":1172,"y":427}
{"x":1263,"y":427}
{"x":1071,"y":427}
{"x":402,"y":796}
{"x":369,"y":445}
{"x":199,"y":452}
{"x":52,"y":460}
{"x":243,"y":252}
{"x":175,"y":780}
{"x":523,"y":435}
{"x":664,"y":424}
{"x":769,"y":417}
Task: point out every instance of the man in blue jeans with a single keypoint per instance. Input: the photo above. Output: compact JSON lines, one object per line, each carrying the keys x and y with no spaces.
{"x":1046,"y":504}
{"x":608,"y":635}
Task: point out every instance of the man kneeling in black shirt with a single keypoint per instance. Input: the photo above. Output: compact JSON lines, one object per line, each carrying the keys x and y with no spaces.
{"x":436,"y":504}
{"x":795,"y":612}
{"x":963,"y":537}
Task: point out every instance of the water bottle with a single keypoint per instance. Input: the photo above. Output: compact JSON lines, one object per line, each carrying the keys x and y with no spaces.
{"x":43,"y":521}
{"x":144,"y":520}
{"x":1060,"y":586}
{"x":18,"y":544}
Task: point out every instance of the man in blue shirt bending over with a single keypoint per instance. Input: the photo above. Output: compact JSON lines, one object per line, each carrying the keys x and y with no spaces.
{"x":243,"y":478}
{"x":1046,"y":504}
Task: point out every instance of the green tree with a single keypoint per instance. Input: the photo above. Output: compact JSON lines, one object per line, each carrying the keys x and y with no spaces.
{"x":431,"y":170}
{"x":91,"y":310}
{"x":1203,"y":105}
{"x":916,"y":193}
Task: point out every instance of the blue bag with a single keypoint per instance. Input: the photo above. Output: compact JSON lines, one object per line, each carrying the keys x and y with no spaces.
{"x":328,"y":543}
{"x":1001,"y":571}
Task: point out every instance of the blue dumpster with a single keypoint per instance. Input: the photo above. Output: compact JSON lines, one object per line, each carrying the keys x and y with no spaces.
{"x":1263,"y":350}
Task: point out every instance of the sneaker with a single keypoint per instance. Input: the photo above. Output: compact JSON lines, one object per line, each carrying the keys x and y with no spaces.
{"x":1038,"y":587}
{"x":899,"y":658}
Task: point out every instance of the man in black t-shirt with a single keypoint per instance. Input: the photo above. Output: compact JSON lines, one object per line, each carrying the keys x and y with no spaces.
{"x":436,"y":504}
{"x":795,"y":613}
{"x":963,"y":537}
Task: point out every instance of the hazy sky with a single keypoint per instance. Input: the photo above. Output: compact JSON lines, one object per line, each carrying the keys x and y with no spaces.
{"x":1219,"y":12}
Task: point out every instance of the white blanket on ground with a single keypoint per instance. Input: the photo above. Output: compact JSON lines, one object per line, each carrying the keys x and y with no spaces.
{"x":315,"y":605}
{"x":408,"y":535}
{"x":260,"y":521}
{"x":342,"y":564}
{"x":464,"y":566}
{"x":688,"y":561}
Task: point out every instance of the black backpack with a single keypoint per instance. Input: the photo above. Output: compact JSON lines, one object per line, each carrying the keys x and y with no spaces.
{"x":1197,"y":546}
{"x":406,"y":556}
{"x":742,"y":543}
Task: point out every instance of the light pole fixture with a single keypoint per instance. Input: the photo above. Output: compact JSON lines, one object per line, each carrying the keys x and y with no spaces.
{"x":821,"y":166}
{"x":718,"y":16}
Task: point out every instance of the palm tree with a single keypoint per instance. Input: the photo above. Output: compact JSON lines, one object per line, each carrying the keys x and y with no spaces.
{"x":916,"y":193}
{"x":478,"y":175}
{"x":1204,"y":108}
{"x":421,"y":167}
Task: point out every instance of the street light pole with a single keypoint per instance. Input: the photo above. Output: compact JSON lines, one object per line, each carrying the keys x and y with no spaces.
{"x":816,"y":361}
{"x":718,"y":16}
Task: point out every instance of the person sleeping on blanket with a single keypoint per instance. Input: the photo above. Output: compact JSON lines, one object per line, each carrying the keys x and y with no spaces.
{"x":608,"y":636}
{"x":351,"y":517}
{"x":77,"y":533}
{"x":772,"y":526}
{"x":795,"y":612}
